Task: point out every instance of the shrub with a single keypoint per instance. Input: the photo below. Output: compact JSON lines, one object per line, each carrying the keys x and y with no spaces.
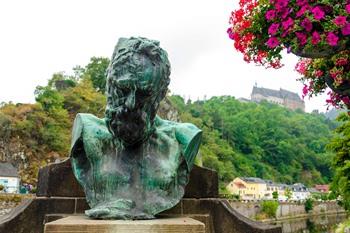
{"x":309,"y":204}
{"x":275,"y":195}
{"x":269,"y":208}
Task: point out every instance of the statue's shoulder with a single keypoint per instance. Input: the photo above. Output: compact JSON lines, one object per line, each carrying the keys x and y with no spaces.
{"x":188,"y":135}
{"x":86,"y":124}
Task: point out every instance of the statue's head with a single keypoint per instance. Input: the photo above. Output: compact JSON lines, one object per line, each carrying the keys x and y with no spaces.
{"x":137,"y":80}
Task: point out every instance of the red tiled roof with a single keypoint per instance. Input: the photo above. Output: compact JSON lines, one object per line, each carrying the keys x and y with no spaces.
{"x":322,"y":187}
{"x":240,"y":185}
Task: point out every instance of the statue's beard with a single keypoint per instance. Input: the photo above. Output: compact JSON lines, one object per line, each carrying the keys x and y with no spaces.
{"x":131,"y":126}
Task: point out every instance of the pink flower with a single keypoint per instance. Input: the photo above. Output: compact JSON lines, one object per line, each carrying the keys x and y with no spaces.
{"x":305,"y":90}
{"x":230,"y":33}
{"x":281,"y":4}
{"x":273,"y":28}
{"x":318,"y":73}
{"x":346,"y":100}
{"x":315,"y":38}
{"x":301,"y":37}
{"x":273,"y":42}
{"x":301,"y":66}
{"x":318,"y":13}
{"x":341,"y":61}
{"x":302,"y":2}
{"x":332,"y":39}
{"x":288,"y":23}
{"x":347,"y":8}
{"x":302,"y":11}
{"x":270,"y":14}
{"x":335,"y":73}
{"x":306,"y":23}
{"x":340,"y":21}
{"x":285,"y":12}
{"x":346,"y":30}
{"x":285,"y":33}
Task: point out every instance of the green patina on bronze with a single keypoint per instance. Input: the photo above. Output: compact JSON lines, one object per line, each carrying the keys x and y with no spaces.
{"x":132,"y":164}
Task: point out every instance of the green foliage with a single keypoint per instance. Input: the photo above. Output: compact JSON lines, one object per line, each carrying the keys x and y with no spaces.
{"x":308,"y":205}
{"x":96,"y":72}
{"x":41,"y":131}
{"x":269,"y":208}
{"x":275,"y":195}
{"x":340,"y":144}
{"x":262,"y":140}
{"x":288,"y":193}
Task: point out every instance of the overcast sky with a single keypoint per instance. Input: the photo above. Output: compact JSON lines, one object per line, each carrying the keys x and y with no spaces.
{"x":41,"y":37}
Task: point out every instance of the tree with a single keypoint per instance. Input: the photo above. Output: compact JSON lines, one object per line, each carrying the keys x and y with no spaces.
{"x":288,"y":193}
{"x":269,"y":208}
{"x":308,"y":205}
{"x":340,"y":144}
{"x":96,"y":71}
{"x":275,"y":195}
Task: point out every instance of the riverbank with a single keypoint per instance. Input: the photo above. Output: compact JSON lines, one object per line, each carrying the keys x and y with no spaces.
{"x":287,"y":210}
{"x":302,"y":216}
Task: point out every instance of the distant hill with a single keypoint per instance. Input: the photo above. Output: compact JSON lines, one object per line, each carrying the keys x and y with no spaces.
{"x":260,"y":140}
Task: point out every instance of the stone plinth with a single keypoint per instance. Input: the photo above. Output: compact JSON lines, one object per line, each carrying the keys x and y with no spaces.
{"x":82,"y":224}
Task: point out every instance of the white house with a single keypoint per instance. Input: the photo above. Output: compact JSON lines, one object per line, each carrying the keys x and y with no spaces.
{"x":275,"y":187}
{"x":299,"y":192}
{"x":9,"y":178}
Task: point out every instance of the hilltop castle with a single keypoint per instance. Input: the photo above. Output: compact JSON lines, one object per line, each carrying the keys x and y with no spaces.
{"x":281,"y":97}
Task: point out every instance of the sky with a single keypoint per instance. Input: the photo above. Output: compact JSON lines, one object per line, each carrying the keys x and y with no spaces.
{"x":41,"y":37}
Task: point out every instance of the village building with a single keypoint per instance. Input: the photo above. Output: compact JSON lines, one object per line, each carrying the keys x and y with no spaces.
{"x":248,"y":188}
{"x":322,"y":188}
{"x":299,"y":192}
{"x":252,"y":188}
{"x":275,"y":187}
{"x":9,"y":178}
{"x":281,"y":97}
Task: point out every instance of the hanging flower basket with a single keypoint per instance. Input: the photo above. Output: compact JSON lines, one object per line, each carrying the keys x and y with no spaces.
{"x":332,"y":72}
{"x":342,"y":89}
{"x":261,"y":29}
{"x":319,"y":51}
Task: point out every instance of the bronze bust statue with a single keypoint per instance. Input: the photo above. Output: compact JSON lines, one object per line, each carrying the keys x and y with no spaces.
{"x":133,"y":164}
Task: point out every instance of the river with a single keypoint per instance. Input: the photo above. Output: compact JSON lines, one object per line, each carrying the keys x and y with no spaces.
{"x":318,"y":224}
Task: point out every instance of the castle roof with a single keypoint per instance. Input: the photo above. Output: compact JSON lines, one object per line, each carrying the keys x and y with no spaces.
{"x":282,"y":94}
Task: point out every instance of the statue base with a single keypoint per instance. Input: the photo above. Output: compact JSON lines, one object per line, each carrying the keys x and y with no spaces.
{"x":83,"y":224}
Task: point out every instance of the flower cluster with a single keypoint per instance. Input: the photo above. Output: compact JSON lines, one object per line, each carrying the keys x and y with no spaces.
{"x":261,"y":29}
{"x":333,"y":72}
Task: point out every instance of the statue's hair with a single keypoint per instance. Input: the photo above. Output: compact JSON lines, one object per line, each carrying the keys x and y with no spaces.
{"x":123,"y":59}
{"x":123,"y":56}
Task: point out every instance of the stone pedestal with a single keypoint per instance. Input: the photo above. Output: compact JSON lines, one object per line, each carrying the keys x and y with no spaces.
{"x":82,"y":224}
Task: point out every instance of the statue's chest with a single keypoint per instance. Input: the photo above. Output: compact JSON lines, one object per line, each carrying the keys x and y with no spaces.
{"x":154,"y":165}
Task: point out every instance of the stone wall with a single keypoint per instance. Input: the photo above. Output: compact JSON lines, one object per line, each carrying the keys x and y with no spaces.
{"x":6,"y":207}
{"x":55,"y":199}
{"x":286,"y":209}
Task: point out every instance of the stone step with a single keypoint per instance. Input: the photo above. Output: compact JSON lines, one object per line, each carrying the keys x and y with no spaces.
{"x":82,"y":224}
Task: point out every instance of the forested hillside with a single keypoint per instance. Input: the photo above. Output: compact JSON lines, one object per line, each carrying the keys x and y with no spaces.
{"x":262,"y":140}
{"x":239,"y":139}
